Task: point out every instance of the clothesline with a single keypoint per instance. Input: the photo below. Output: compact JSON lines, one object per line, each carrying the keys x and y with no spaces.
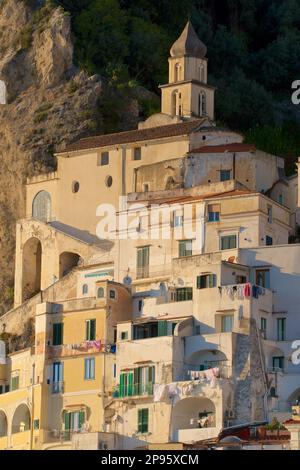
{"x":242,"y":290}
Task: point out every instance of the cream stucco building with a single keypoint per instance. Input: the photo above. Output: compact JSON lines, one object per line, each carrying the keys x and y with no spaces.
{"x":157,"y":268}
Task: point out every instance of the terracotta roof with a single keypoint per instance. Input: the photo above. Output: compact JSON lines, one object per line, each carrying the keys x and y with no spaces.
{"x":188,"y":44}
{"x":183,"y":199}
{"x":235,"y":147}
{"x":171,"y":130}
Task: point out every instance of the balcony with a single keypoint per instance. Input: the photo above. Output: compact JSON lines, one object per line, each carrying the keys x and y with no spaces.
{"x":76,"y":349}
{"x":137,"y":390}
{"x":147,"y":272}
{"x":58,"y":387}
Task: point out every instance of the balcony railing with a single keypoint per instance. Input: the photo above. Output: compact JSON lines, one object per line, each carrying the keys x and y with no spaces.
{"x":58,"y":387}
{"x":224,"y":370}
{"x":136,"y":390}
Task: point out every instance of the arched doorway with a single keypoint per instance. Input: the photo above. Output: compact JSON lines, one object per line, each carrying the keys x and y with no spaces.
{"x":209,"y":359}
{"x":21,"y":419}
{"x":67,"y":261}
{"x":3,"y":430}
{"x":192,"y":414}
{"x":32,"y":268}
{"x":41,"y":206}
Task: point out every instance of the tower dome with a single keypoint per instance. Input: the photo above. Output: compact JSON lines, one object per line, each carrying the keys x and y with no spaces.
{"x":188,"y":44}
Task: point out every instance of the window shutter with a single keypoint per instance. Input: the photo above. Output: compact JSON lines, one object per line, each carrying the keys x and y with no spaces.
{"x":198,"y":282}
{"x":87,"y":330}
{"x":211,"y":280}
{"x":130,"y":384}
{"x":67,"y":421}
{"x":162,"y":328}
{"x":93,"y":330}
{"x":151,"y":375}
{"x":136,"y":381}
{"x":122,"y":385}
{"x":81,"y":419}
{"x":140,"y":420}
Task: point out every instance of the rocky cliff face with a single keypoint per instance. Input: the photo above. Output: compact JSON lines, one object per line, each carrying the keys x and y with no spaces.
{"x":46,"y":103}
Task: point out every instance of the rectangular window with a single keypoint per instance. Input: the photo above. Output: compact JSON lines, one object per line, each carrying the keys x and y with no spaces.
{"x":146,"y":330}
{"x":140,"y":305}
{"x":89,"y":369}
{"x":112,"y":294}
{"x":126,"y":384}
{"x":214,"y":212}
{"x":6,"y":388}
{"x":58,"y":377}
{"x":137,"y":153}
{"x":240,"y":279}
{"x":270,"y":214}
{"x":103,"y":159}
{"x":1,"y":389}
{"x":280,"y":199}
{"x":227,"y":323}
{"x":143,"y":262}
{"x":278,"y":362}
{"x":36,"y":424}
{"x":269,"y":241}
{"x":90,"y":330}
{"x":143,"y":380}
{"x":58,"y":330}
{"x":124,"y":335}
{"x":177,"y":220}
{"x":74,"y":421}
{"x":225,"y":175}
{"x":183,"y":294}
{"x":143,"y":420}
{"x":263,"y":327}
{"x":185,"y":248}
{"x":228,"y":242}
{"x":114,"y":371}
{"x":206,"y":281}
{"x":15,"y":383}
{"x":281,"y":329}
{"x":263,"y":278}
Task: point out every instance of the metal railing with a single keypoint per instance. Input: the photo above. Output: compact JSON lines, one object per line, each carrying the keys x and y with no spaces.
{"x":58,"y":387}
{"x":136,"y":390}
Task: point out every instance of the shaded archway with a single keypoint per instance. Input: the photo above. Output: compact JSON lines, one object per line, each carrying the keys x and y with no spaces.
{"x":294,"y":398}
{"x":3,"y":424}
{"x":193,"y":413}
{"x":21,"y":419}
{"x":67,"y":261}
{"x":32,"y":268}
{"x":41,"y":206}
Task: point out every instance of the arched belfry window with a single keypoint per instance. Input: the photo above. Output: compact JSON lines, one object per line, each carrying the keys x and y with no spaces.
{"x":177,"y":72}
{"x":41,"y":206}
{"x":3,"y":94}
{"x":201,"y":73}
{"x":176,"y":103}
{"x":202,"y":104}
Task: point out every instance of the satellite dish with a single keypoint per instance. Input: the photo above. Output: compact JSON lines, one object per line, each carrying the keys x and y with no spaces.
{"x":127,"y":281}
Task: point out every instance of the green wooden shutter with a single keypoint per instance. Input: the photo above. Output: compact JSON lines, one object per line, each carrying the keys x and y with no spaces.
{"x":143,"y":420}
{"x":162,"y":328}
{"x":81,"y":419}
{"x":136,"y":381}
{"x":87,"y":330}
{"x":57,"y":334}
{"x":122,"y":385}
{"x":130,"y":384}
{"x":67,"y":421}
{"x":211,"y":280}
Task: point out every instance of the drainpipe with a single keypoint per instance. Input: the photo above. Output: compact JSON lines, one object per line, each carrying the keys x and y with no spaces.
{"x":32,"y":406}
{"x":233,"y":166}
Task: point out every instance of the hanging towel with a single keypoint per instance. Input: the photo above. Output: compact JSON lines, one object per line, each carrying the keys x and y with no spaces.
{"x":247,"y":290}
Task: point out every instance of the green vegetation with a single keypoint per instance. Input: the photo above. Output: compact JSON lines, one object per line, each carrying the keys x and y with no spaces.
{"x":253,"y":51}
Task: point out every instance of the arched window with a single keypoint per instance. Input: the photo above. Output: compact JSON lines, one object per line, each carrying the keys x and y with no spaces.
{"x":177,"y":73}
{"x":202,"y":104}
{"x":176,"y":103}
{"x":85,"y":289}
{"x":41,"y":206}
{"x":201,"y":73}
{"x":100,"y":293}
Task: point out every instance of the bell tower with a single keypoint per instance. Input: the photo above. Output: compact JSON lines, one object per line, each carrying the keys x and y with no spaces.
{"x":188,"y":94}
